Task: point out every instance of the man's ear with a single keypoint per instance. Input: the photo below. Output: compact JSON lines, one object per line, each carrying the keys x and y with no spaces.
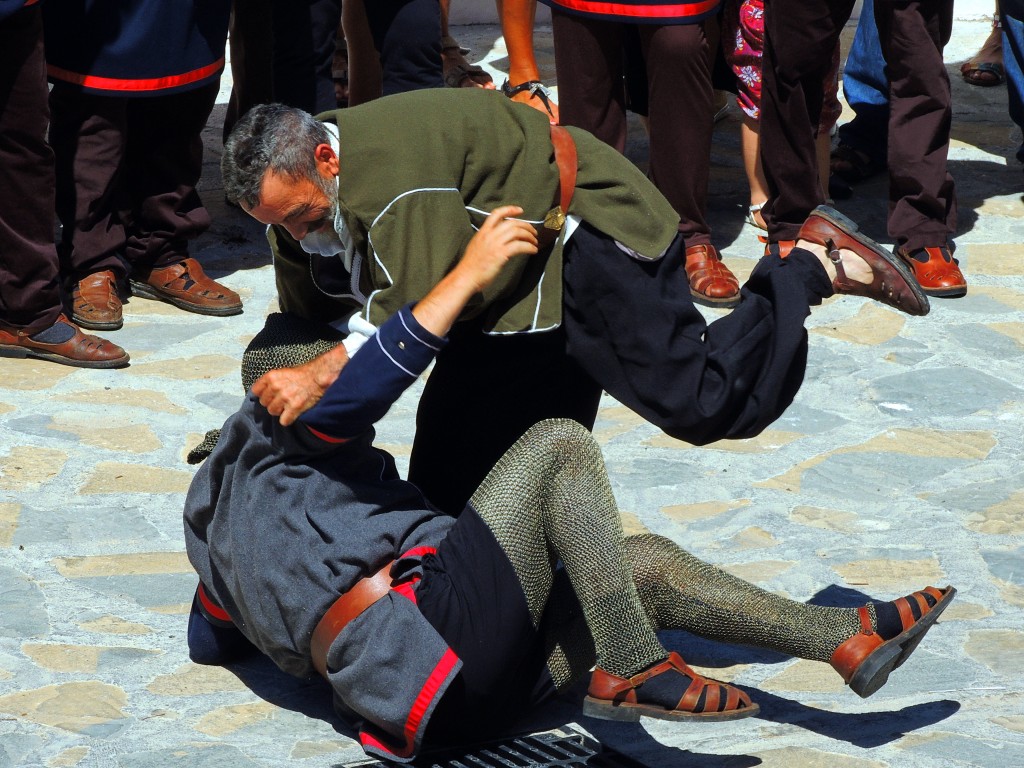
{"x":326,"y":161}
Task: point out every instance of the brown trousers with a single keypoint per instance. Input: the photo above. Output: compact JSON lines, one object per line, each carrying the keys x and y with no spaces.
{"x":29,"y":285}
{"x":127,"y":170}
{"x":799,"y":38}
{"x":590,"y":64}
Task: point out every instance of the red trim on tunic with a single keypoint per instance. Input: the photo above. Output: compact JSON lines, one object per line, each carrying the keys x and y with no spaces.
{"x":407,"y":589}
{"x":325,"y":437}
{"x":419,"y":708}
{"x":144,"y":84}
{"x":418,"y":552}
{"x":639,"y":11}
{"x":211,"y":607}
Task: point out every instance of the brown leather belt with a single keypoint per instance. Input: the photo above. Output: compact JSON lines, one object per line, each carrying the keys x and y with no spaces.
{"x":363,"y":594}
{"x":565,"y":159}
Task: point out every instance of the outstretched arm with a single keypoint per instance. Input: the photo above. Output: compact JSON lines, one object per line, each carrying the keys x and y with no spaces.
{"x":401,"y":349}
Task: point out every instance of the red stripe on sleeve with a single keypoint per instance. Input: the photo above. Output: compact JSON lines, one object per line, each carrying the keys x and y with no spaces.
{"x":325,"y":437}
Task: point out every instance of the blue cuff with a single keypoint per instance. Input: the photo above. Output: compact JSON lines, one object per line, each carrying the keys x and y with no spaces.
{"x":376,"y":376}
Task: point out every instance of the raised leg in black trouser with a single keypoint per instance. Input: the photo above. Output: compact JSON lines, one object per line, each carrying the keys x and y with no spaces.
{"x":633,"y":327}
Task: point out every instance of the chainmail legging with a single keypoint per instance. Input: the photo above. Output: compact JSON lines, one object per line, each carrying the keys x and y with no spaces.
{"x":548,"y":499}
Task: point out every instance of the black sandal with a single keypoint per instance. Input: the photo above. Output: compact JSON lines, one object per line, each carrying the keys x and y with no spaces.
{"x":853,"y":165}
{"x":536,"y":89}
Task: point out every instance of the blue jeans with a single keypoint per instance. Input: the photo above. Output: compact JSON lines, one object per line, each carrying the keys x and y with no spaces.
{"x":866,"y":89}
{"x":1012,"y":16}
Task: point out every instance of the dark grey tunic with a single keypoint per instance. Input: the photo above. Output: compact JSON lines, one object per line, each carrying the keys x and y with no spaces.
{"x":279,"y":523}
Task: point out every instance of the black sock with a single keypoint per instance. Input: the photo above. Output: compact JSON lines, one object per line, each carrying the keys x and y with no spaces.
{"x":887,"y":620}
{"x":887,"y":615}
{"x":57,"y":333}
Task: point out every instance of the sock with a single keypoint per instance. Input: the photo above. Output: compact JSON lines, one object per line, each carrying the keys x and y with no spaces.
{"x":57,"y":333}
{"x":888,"y":623}
{"x":211,"y":644}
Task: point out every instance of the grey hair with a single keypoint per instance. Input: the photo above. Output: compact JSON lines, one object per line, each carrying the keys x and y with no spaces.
{"x":270,"y":137}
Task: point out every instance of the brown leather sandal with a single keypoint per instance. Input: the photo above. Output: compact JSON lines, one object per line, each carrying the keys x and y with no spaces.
{"x":81,"y":350}
{"x":866,"y":660}
{"x":892,"y":282}
{"x":187,"y":286}
{"x":712,"y":283}
{"x":618,"y":698}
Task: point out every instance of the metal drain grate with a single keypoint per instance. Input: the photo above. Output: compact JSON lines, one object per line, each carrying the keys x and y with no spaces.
{"x":561,"y":748}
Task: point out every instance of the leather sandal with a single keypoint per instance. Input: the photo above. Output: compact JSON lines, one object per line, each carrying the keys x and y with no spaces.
{"x":81,"y":350}
{"x":617,"y":698}
{"x":95,"y":303}
{"x":985,"y":68}
{"x":936,"y":271}
{"x":187,"y":287}
{"x":711,"y":282}
{"x":852,"y":165}
{"x":892,"y":282}
{"x":866,"y":660}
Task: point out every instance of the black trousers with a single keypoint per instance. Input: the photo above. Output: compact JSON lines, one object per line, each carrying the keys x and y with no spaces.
{"x":29,"y":285}
{"x":629,"y":328}
{"x":471,"y":595}
{"x":799,"y":38}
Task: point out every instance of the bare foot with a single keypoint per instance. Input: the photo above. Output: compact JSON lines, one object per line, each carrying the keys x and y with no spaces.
{"x":985,"y":68}
{"x":856,"y":268}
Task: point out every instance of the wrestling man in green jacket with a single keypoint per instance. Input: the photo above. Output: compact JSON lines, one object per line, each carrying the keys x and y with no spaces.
{"x":369,"y":207}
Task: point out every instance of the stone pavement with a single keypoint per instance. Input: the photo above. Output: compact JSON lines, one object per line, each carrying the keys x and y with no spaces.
{"x":897,"y":466}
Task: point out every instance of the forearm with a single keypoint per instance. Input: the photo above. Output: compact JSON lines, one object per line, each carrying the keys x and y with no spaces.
{"x":441,"y":307}
{"x":374,"y":378}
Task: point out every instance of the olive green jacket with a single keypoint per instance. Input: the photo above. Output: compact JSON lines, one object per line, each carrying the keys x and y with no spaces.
{"x":420,"y":172}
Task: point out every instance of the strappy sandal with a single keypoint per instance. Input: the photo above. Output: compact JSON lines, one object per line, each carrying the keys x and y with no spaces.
{"x":650,"y":694}
{"x":852,"y":165}
{"x":988,"y":72}
{"x":866,"y":660}
{"x":892,"y":284}
{"x":536,"y":88}
{"x":752,"y":217}
{"x":457,"y":69}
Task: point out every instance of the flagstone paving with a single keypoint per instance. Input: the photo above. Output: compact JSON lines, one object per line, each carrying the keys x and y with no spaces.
{"x":897,"y":466}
